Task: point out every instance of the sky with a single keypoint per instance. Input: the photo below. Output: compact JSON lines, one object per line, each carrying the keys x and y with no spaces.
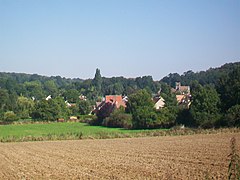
{"x":129,"y":38}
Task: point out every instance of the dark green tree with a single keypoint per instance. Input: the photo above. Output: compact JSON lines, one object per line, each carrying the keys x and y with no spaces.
{"x":12,"y":101}
{"x":167,"y":115}
{"x":46,"y":110}
{"x":205,"y":106}
{"x":50,"y":88}
{"x":114,"y":89}
{"x":64,"y":111}
{"x":97,"y":82}
{"x":34,"y":89}
{"x":229,"y":89}
{"x":84,"y":107}
{"x":232,"y":117}
{"x":141,"y":106}
{"x":4,"y":96}
{"x":71,"y":95}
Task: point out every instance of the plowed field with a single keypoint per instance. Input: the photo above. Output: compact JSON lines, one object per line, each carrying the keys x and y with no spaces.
{"x":178,"y":157}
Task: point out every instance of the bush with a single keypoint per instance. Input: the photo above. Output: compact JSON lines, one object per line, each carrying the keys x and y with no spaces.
{"x":87,"y":118}
{"x":10,"y":116}
{"x":166,"y":118}
{"x":24,"y":114}
{"x":118,"y":119}
{"x":184,"y":117}
{"x":103,"y":113}
{"x":206,"y":120}
{"x":233,"y":116}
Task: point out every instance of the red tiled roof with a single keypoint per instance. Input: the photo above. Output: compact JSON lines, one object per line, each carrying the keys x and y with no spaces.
{"x":116,"y":99}
{"x":113,"y":98}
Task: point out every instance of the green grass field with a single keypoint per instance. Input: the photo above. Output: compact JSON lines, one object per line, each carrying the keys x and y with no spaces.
{"x":58,"y":131}
{"x":76,"y":130}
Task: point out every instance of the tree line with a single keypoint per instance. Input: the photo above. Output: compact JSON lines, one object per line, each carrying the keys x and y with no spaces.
{"x":215,"y":98}
{"x":215,"y":102}
{"x":23,"y":96}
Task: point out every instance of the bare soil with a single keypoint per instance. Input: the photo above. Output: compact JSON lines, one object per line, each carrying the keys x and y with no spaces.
{"x":178,"y":157}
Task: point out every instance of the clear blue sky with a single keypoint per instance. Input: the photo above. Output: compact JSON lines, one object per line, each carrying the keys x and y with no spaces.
{"x":130,"y":38}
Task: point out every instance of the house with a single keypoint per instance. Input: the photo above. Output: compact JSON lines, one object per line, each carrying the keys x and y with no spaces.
{"x":97,"y":107}
{"x":82,"y":97}
{"x":70,"y":104}
{"x":181,"y":89}
{"x":183,"y":95}
{"x":116,"y":100}
{"x":48,"y":98}
{"x":180,"y":98}
{"x":184,"y":100}
{"x":159,"y":102}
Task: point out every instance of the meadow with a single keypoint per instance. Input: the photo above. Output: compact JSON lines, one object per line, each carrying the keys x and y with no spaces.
{"x":60,"y":131}
{"x":76,"y":130}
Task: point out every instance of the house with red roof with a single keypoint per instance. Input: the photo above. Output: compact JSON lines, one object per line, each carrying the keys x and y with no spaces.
{"x":179,"y":89}
{"x":116,"y":100}
{"x":183,"y":95}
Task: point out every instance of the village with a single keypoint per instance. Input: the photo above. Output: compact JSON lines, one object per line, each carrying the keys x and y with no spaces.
{"x":182,"y":94}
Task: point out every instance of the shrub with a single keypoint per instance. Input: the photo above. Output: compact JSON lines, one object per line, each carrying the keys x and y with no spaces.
{"x":24,"y":114}
{"x":233,"y":116}
{"x":118,"y":119}
{"x":10,"y":116}
{"x":103,"y":113}
{"x":87,"y":118}
{"x":166,"y":118}
{"x":184,"y":117}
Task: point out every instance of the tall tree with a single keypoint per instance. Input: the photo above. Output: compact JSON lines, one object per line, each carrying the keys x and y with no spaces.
{"x":232,"y":117}
{"x":97,"y":82}
{"x":141,"y":106}
{"x":46,"y":110}
{"x":50,"y":88}
{"x":71,"y":95}
{"x":205,"y":105}
{"x":25,"y":106}
{"x":64,"y":111}
{"x":4,"y":97}
{"x":229,"y":89}
{"x":84,"y":107}
{"x":34,"y":89}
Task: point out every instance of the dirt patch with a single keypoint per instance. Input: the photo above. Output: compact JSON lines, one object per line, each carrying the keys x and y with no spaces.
{"x":178,"y":157}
